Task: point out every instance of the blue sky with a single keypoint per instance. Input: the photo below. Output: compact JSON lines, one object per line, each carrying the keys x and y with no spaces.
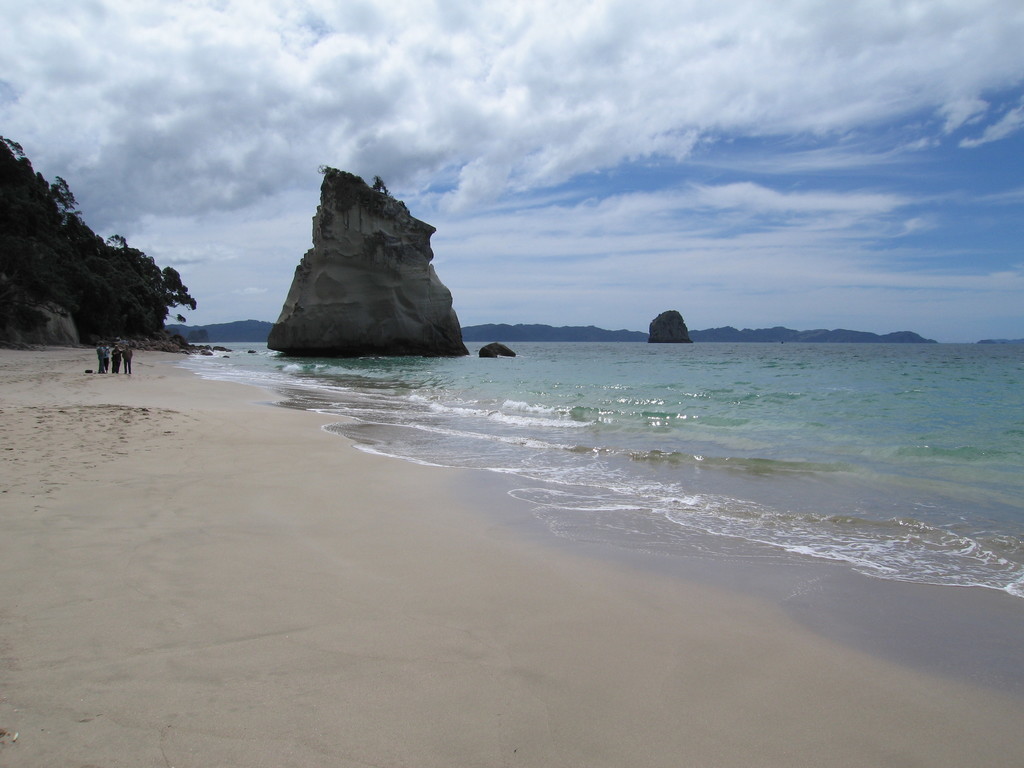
{"x":752,"y":164}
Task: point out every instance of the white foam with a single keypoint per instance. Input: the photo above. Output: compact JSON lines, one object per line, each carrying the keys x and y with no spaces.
{"x":519,"y":405}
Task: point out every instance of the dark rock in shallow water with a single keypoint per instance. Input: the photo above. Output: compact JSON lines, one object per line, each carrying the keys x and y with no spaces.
{"x":669,"y":328}
{"x":367,"y":286}
{"x":495,"y":349}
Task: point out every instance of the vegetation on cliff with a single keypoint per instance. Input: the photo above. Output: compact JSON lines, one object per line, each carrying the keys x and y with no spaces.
{"x":49,"y":255}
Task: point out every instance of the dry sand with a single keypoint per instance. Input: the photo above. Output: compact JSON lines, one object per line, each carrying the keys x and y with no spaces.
{"x":191,"y":578}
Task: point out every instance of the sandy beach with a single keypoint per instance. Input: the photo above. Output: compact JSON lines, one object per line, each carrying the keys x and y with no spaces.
{"x":194,"y":578}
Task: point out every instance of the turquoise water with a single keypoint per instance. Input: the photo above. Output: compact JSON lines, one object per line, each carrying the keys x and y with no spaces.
{"x":903,"y":461}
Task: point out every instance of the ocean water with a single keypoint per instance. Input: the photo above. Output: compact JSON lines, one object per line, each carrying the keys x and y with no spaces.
{"x":902,"y":461}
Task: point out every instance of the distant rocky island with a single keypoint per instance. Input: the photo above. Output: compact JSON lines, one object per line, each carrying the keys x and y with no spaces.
{"x":257,"y":331}
{"x":669,"y":328}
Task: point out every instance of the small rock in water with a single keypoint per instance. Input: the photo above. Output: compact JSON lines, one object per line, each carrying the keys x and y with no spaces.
{"x":496,"y":349}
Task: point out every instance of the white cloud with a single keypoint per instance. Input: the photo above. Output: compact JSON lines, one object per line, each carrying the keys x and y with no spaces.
{"x":185,"y":107}
{"x":649,"y":244}
{"x":962,"y":111}
{"x":1008,"y":124}
{"x":754,"y":197}
{"x":1008,"y":197}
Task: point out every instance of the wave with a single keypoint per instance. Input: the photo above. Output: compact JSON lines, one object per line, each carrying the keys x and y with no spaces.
{"x":959,"y":453}
{"x":595,"y":498}
{"x":900,"y":549}
{"x":519,"y":405}
{"x":752,"y":466}
{"x":539,"y":417}
{"x":305,"y":367}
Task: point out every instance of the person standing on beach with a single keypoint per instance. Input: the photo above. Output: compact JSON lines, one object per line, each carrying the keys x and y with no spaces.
{"x":99,"y":358}
{"x":126,"y":356}
{"x":117,"y":359}
{"x":106,"y":358}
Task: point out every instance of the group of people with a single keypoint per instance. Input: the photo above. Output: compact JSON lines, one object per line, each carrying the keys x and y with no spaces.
{"x":111,"y":358}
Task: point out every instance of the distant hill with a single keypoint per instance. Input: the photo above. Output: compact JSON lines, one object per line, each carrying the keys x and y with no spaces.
{"x":258,"y":330}
{"x":503,"y":332}
{"x":240,"y":330}
{"x":779,"y":334}
{"x":1001,"y":341}
{"x":728,"y":333}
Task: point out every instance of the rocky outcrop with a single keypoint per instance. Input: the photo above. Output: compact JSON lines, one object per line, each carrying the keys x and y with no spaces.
{"x":51,"y":325}
{"x":496,"y":349}
{"x":367,"y":286}
{"x":669,"y":328}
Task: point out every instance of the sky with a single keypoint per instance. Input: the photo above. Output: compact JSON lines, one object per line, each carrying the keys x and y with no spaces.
{"x":801,"y":163}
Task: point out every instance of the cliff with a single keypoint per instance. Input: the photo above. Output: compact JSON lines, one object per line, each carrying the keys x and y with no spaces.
{"x":50,"y":324}
{"x":367,"y":286}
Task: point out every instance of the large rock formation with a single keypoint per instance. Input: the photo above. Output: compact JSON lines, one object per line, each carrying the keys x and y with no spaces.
{"x":669,"y":328}
{"x":367,"y":286}
{"x":51,"y":324}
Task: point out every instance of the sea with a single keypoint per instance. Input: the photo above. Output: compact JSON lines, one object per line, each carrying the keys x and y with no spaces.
{"x":898,"y":461}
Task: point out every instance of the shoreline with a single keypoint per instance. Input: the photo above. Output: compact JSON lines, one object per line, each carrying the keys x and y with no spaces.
{"x":192,"y":578}
{"x":927,"y":627}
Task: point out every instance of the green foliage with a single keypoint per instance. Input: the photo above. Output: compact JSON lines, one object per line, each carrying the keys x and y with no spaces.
{"x":380,"y":186}
{"x":47,"y":253}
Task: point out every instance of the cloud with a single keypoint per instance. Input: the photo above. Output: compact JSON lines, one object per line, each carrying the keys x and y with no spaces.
{"x":917,"y":224}
{"x":757,"y":198}
{"x":1011,"y":122}
{"x":688,"y":236}
{"x":1014,"y":196}
{"x":188,"y":107}
{"x":962,"y":111}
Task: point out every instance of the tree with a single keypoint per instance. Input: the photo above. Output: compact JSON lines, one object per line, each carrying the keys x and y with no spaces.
{"x":175,"y":293}
{"x":15,"y":148}
{"x":49,"y":254}
{"x":64,"y":199}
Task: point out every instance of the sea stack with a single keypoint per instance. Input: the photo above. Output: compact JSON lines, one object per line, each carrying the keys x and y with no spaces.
{"x":669,"y":328}
{"x":366,"y":287}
